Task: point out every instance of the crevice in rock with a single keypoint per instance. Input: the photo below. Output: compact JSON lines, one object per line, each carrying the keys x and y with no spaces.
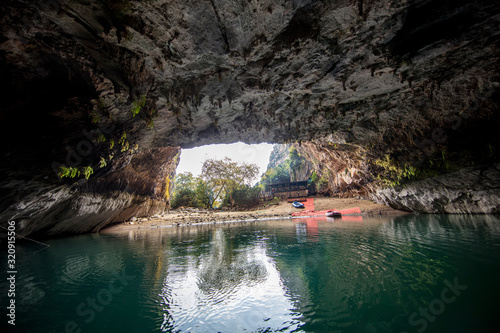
{"x":221,"y":25}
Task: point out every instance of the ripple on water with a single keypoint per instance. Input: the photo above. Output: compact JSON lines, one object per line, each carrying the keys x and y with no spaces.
{"x":225,"y":295}
{"x":74,"y":272}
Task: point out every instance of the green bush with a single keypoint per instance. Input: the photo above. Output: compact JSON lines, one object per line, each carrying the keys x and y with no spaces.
{"x":322,"y":183}
{"x":279,"y":174}
{"x":314,"y":177}
{"x":69,"y":172}
{"x":183,"y":197}
{"x":203,"y":195}
{"x":246,"y":197}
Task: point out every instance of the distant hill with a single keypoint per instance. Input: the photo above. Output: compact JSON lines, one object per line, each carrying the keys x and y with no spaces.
{"x":279,"y":155}
{"x":286,"y":164}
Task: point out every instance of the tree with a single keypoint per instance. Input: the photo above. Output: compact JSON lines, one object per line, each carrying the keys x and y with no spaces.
{"x":246,"y":196}
{"x":224,"y":176}
{"x":185,"y":191}
{"x":191,"y":191}
{"x":295,"y":160}
{"x":278,"y":174}
{"x":183,"y":197}
{"x":282,"y":172}
{"x":203,"y":194}
{"x":183,"y":181}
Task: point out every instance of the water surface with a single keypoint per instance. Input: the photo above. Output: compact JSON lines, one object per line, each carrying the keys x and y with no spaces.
{"x":405,"y":274}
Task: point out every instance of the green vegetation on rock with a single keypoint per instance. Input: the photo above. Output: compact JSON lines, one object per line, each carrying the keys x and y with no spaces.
{"x":394,"y":173}
{"x":282,"y":165}
{"x":138,"y":105}
{"x":87,"y":171}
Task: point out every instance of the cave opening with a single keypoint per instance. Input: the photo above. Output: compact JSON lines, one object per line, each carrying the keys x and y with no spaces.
{"x":218,"y":175}
{"x":191,"y":159}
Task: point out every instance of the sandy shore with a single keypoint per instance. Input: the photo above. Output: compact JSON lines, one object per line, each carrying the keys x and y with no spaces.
{"x":187,"y":216}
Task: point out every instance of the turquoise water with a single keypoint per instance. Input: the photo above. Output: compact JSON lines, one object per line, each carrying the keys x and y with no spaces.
{"x":422,"y":273}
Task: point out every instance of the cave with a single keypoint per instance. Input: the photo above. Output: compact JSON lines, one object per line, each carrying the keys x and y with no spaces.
{"x":403,"y":95}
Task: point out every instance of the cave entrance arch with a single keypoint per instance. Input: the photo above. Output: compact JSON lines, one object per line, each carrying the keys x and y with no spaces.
{"x":191,"y":159}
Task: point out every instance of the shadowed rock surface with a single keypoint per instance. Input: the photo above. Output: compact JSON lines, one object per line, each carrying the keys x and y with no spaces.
{"x":137,"y":185}
{"x":471,"y":190}
{"x":350,"y":82}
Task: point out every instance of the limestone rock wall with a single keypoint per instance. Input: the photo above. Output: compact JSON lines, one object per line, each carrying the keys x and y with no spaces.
{"x":136,"y":186}
{"x":148,"y":173}
{"x":303,"y":172}
{"x":471,"y":190}
{"x":345,"y":168}
{"x":279,"y":155}
{"x":349,"y":171}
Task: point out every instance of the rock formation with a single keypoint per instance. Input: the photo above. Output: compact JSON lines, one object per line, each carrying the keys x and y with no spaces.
{"x":412,"y":83}
{"x":279,"y":155}
{"x":137,"y":185}
{"x":470,"y":190}
{"x":344,"y":167}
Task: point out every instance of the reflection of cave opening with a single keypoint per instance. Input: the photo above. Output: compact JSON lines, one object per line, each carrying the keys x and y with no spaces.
{"x":227,"y":269}
{"x":232,"y":271}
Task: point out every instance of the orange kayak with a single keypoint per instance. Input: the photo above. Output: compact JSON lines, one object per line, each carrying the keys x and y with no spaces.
{"x":348,"y":211}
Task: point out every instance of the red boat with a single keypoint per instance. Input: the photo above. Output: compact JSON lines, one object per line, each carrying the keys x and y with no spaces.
{"x":333,"y":213}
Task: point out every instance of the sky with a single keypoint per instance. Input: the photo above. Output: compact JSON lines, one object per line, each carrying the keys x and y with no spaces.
{"x":192,"y":159}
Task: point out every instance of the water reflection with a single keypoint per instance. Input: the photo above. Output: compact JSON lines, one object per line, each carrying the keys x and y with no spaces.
{"x":309,"y":275}
{"x":228,"y":288}
{"x":312,"y":274}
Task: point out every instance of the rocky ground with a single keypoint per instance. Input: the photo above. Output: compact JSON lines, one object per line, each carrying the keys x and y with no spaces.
{"x":282,"y":209}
